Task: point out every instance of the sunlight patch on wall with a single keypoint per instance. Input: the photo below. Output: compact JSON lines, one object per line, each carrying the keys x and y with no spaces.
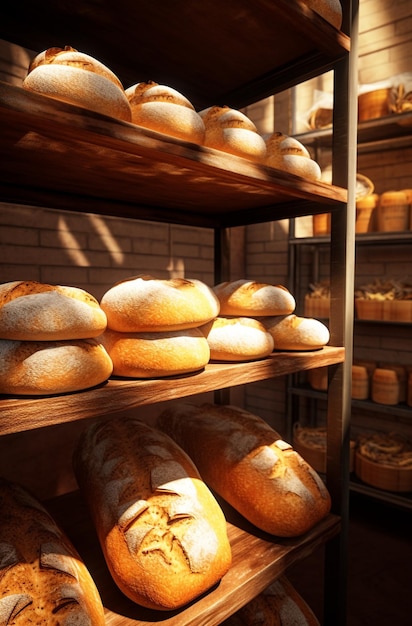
{"x":70,"y":244}
{"x":107,"y":238}
{"x":176,"y":267}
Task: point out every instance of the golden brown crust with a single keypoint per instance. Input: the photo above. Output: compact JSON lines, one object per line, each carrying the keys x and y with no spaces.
{"x":330,"y":10}
{"x":237,"y":339}
{"x":291,"y":332}
{"x":145,"y":304}
{"x":250,"y":298}
{"x":50,"y":367}
{"x":43,"y":580}
{"x":288,"y":154}
{"x":156,"y":354}
{"x":162,"y":532}
{"x":246,"y":462}
{"x":33,"y":311}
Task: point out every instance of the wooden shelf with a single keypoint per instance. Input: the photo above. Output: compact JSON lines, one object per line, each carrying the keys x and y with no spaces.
{"x":26,"y":413}
{"x":78,"y":160}
{"x":258,"y":559}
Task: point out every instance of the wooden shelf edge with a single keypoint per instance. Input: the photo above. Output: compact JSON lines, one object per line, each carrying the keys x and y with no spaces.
{"x":258,"y":560}
{"x":27,"y":413}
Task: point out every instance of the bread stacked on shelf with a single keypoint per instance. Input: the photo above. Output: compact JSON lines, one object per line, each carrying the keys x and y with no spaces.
{"x":162,"y":533}
{"x":279,"y":605}
{"x":288,"y":154}
{"x":384,"y":460}
{"x":250,"y":466}
{"x":49,"y":339}
{"x":43,"y":579}
{"x":165,"y":110}
{"x":77,"y":78}
{"x":153,"y":326}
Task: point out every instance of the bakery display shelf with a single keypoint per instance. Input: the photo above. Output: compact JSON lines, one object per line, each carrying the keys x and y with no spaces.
{"x":78,"y":160}
{"x":402,"y":500}
{"x":258,"y":559}
{"x":362,"y":239}
{"x":209,"y":44}
{"x":27,"y":413}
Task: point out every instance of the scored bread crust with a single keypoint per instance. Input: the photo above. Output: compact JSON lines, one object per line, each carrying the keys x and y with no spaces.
{"x":250,"y":298}
{"x":156,"y":354}
{"x":144,"y":304}
{"x":248,"y":464}
{"x":291,"y":332}
{"x":165,"y":110}
{"x":43,"y":580}
{"x":162,"y":532}
{"x":330,"y":10}
{"x":77,"y":78}
{"x":237,"y":339}
{"x":288,"y":154}
{"x":51,"y":367}
{"x":231,"y":131}
{"x":33,"y":311}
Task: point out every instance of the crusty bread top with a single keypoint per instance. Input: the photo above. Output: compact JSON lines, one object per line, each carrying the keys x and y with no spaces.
{"x":42,"y":578}
{"x":330,"y":10}
{"x":218,"y":117}
{"x":153,"y":92}
{"x":33,"y":311}
{"x":292,"y":332}
{"x":237,"y":339}
{"x":144,"y":303}
{"x":250,"y":298}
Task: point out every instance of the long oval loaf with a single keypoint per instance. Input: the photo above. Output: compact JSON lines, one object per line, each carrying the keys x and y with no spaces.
{"x":43,"y":580}
{"x":161,"y":530}
{"x":247,"y":463}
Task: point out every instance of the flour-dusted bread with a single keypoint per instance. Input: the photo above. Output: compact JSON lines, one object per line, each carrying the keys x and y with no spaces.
{"x":237,"y":339}
{"x":165,"y":110}
{"x":253,"y":299}
{"x":43,"y":579}
{"x":156,"y":354}
{"x":77,"y":78}
{"x":247,"y":463}
{"x":279,"y":605}
{"x":162,"y":532}
{"x":288,"y":154}
{"x":50,"y":367}
{"x":330,"y":10}
{"x":33,"y":311}
{"x":291,"y":332}
{"x":232,"y":131}
{"x":145,"y":303}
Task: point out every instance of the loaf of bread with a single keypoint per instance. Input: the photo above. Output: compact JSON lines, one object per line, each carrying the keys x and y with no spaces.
{"x":232,"y":131}
{"x":291,"y":332}
{"x":162,"y":532}
{"x":288,"y":154}
{"x":165,"y":110}
{"x":33,"y":311}
{"x":145,"y":304}
{"x":156,"y":354}
{"x":330,"y":10}
{"x":248,"y":464}
{"x":279,"y":605}
{"x":77,"y":78}
{"x":237,"y":339}
{"x":250,"y":298}
{"x":43,"y":579}
{"x":50,"y":367}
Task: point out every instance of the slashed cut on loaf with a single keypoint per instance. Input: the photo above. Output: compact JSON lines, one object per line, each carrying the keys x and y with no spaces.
{"x":248,"y":464}
{"x":288,"y":154}
{"x":145,"y":303}
{"x":43,"y":580}
{"x":33,"y":311}
{"x":252,"y":299}
{"x":161,"y":530}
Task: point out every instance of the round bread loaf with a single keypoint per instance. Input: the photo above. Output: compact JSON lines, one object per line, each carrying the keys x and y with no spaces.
{"x":145,"y":304}
{"x":155,"y":354}
{"x":32,"y":311}
{"x":291,"y":332}
{"x":50,"y":367}
{"x":279,"y":605}
{"x":288,"y":154}
{"x":250,"y":298}
{"x":43,"y":579}
{"x":330,"y":10}
{"x":165,"y":110}
{"x":237,"y":339}
{"x":249,"y":465}
{"x":77,"y":78}
{"x":231,"y":131}
{"x":162,"y":533}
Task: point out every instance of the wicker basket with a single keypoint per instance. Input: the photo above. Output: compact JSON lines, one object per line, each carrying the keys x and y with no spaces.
{"x":369,"y":309}
{"x":316,"y":456}
{"x":384,"y":477}
{"x":321,"y":224}
{"x":317,"y":307}
{"x":397,"y":310}
{"x":365,"y":213}
{"x":392,"y":213}
{"x":374,"y":104}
